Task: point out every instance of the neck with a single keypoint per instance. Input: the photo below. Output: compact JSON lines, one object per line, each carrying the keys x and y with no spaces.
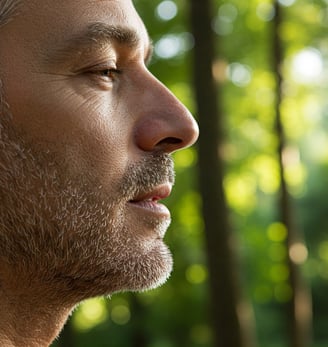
{"x":28,"y":328}
{"x":31,"y":314}
{"x":23,"y":325}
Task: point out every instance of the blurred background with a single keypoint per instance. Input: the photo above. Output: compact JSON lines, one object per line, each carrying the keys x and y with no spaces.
{"x":250,"y":206}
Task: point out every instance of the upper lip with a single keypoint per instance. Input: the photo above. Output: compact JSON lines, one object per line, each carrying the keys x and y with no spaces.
{"x":155,"y":194}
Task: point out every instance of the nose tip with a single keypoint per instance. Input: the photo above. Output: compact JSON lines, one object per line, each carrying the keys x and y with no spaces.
{"x":189,"y":132}
{"x":167,"y":132}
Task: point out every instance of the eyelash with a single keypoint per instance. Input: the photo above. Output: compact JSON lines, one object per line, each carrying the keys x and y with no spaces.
{"x":107,"y":73}
{"x":102,"y":74}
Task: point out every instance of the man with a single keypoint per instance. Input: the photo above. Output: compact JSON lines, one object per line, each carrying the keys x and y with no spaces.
{"x":86,"y":134}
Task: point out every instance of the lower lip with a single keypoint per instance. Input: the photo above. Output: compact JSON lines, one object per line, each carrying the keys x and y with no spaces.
{"x":153,"y":207}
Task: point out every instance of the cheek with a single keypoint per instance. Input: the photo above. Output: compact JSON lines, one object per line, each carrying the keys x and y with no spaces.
{"x":103,"y":150}
{"x":87,"y":131}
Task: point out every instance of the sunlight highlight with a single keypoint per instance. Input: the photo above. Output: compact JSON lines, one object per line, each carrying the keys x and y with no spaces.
{"x":90,"y":313}
{"x":223,"y":23}
{"x":298,"y":253}
{"x":168,"y":46}
{"x":265,"y":12}
{"x":286,"y":3}
{"x":166,"y":10}
{"x":240,"y":192}
{"x":267,"y":172}
{"x":172,"y":45}
{"x":239,"y":74}
{"x":307,"y":66}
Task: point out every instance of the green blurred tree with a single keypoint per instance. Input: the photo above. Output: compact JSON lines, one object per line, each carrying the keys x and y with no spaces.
{"x":225,"y":299}
{"x":298,"y":309}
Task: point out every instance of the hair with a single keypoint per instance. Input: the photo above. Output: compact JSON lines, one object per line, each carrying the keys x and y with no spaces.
{"x":8,"y":9}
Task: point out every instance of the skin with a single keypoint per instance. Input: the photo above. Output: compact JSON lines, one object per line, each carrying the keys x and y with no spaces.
{"x":86,"y":134}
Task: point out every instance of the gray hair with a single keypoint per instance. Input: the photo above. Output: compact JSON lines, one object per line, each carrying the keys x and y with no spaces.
{"x":7,"y":10}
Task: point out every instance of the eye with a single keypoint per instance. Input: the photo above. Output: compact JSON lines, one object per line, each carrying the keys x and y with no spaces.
{"x":110,"y":73}
{"x":103,"y":75}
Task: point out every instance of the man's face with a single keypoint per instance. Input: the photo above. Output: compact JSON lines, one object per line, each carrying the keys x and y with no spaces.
{"x":84,"y":147}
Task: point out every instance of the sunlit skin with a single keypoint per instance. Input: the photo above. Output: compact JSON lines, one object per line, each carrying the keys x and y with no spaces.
{"x":86,"y":136}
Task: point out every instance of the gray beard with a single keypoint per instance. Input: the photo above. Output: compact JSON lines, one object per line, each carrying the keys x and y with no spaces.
{"x":70,"y":233}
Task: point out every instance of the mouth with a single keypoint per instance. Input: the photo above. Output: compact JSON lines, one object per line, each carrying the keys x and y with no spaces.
{"x":150,"y":201}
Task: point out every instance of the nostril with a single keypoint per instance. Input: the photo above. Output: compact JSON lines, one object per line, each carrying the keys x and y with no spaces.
{"x":169,"y":141}
{"x":166,"y":132}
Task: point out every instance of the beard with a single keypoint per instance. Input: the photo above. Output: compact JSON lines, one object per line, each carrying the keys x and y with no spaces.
{"x":69,"y":233}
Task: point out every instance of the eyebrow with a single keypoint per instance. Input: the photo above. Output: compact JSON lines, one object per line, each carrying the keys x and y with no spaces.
{"x":122,"y":35}
{"x":100,"y":34}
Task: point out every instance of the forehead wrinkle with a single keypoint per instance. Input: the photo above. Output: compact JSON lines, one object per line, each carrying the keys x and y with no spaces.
{"x":101,"y":35}
{"x":122,"y":35}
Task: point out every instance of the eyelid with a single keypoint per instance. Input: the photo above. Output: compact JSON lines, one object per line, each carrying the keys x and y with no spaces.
{"x":109,"y":65}
{"x":111,"y":71}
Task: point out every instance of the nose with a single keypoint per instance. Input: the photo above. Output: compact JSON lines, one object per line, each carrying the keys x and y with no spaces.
{"x":165,"y":124}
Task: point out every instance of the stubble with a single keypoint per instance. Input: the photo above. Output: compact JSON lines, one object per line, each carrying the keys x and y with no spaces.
{"x":71,"y":232}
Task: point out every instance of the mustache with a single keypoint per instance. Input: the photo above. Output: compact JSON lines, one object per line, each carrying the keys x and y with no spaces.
{"x":151,"y":171}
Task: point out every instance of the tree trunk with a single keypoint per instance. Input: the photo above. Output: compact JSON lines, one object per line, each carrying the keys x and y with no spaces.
{"x":298,"y":309}
{"x":223,"y":285}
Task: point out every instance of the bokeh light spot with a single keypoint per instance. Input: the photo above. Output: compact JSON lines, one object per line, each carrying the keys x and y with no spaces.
{"x":277,"y":232}
{"x":265,"y":11}
{"x":286,"y":3}
{"x":172,"y":45}
{"x":168,"y":46}
{"x":239,"y":74}
{"x":90,"y":313}
{"x":166,"y":10}
{"x":120,"y":314}
{"x":185,"y":158}
{"x":196,"y":273}
{"x":307,"y":66}
{"x":298,"y":253}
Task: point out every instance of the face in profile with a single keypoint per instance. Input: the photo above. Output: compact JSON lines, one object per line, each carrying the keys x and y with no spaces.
{"x":86,"y":134}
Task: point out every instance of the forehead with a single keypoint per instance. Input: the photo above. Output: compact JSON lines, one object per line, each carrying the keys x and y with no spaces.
{"x":52,"y":21}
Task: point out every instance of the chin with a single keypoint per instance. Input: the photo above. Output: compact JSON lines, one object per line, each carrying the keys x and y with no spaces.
{"x":134,"y":267}
{"x":143,"y":271}
{"x":143,"y":261}
{"x":151,"y":272}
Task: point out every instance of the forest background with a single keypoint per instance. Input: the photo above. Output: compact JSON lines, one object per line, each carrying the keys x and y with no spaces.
{"x":250,"y":212}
